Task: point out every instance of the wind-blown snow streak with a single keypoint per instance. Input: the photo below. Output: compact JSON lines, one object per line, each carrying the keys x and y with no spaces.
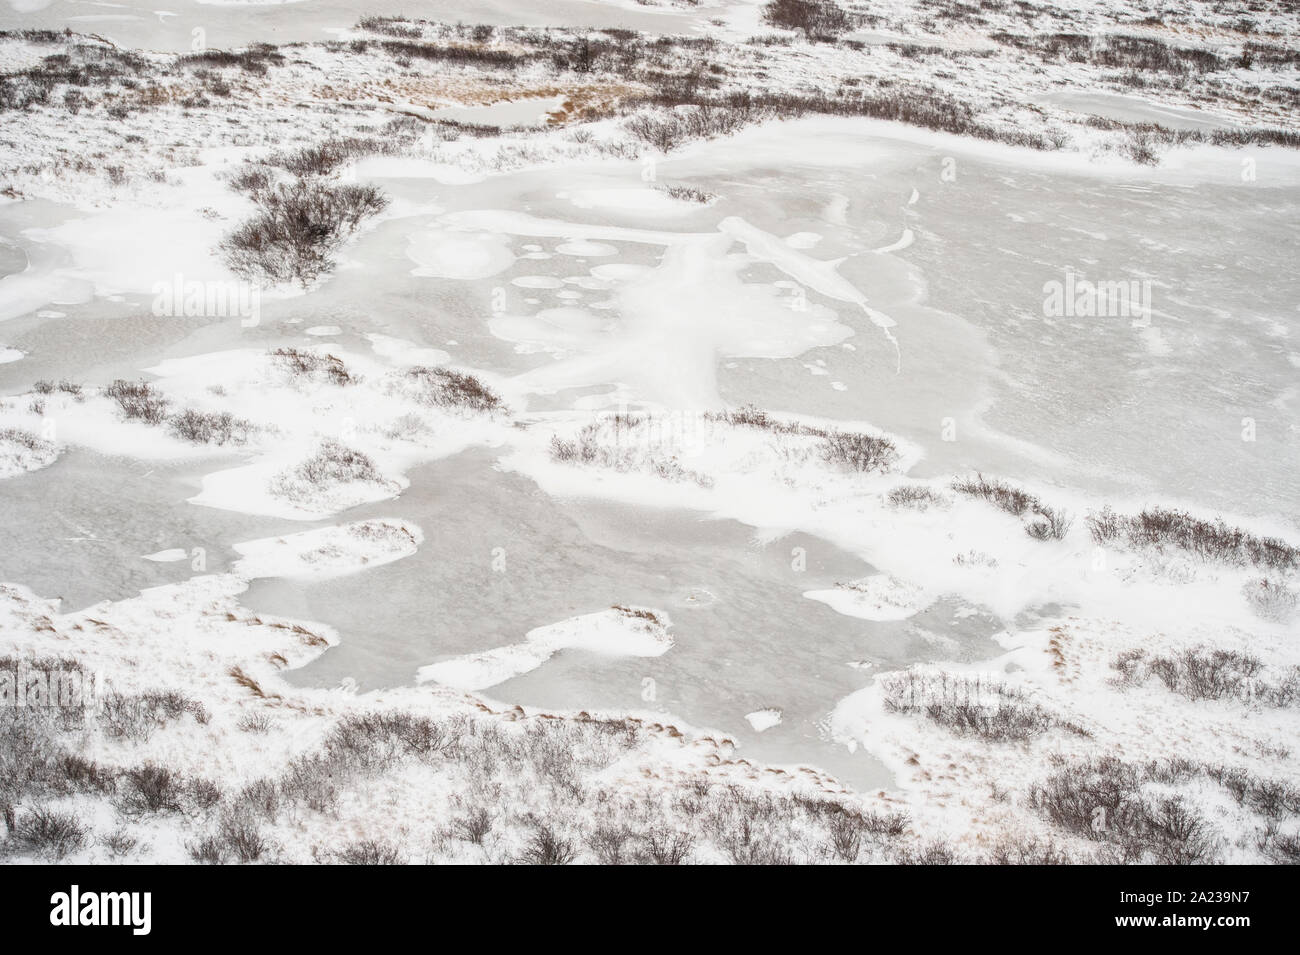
{"x":822,"y":276}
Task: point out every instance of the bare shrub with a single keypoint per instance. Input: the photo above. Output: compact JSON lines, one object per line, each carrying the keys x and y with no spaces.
{"x":209,"y":850}
{"x":137,"y":716}
{"x":751,"y":848}
{"x":888,"y":824}
{"x":480,"y":56}
{"x":473,"y":826}
{"x":998,"y":493}
{"x":445,"y":388}
{"x":312,"y":781}
{"x":1129,"y":664}
{"x":1178,"y":834}
{"x":1048,"y":524}
{"x":573,"y":451}
{"x":1030,"y":852}
{"x":856,"y":451}
{"x":151,"y":788}
{"x":392,"y":26}
{"x":1140,"y":146}
{"x":639,"y":613}
{"x":1091,"y":798}
{"x":31,"y":760}
{"x":982,"y":707}
{"x":252,"y":180}
{"x":74,"y":773}
{"x":47,"y":832}
{"x":259,"y":799}
{"x":1103,"y":800}
{"x":1278,"y":847}
{"x":367,"y":742}
{"x":609,"y":843}
{"x":333,"y":464}
{"x":753,"y":828}
{"x":818,"y":19}
{"x":312,"y":366}
{"x":337,"y":463}
{"x":1203,"y":673}
{"x":846,"y":831}
{"x":975,"y":558}
{"x":916,"y":497}
{"x":936,"y":852}
{"x":1144,"y":54}
{"x":1271,"y":599}
{"x":243,"y":839}
{"x":324,"y":158}
{"x":1105,"y":525}
{"x":255,"y":59}
{"x":1135,"y":54}
{"x":750,"y":416}
{"x":119,"y":842}
{"x":209,"y":427}
{"x":1045,"y":523}
{"x":1161,"y":528}
{"x":255,"y":723}
{"x":546,"y":847}
{"x":668,"y":129}
{"x":1271,"y":798}
{"x":860,"y":452}
{"x":688,"y":194}
{"x":71,"y":388}
{"x":298,"y":229}
{"x":594,"y":445}
{"x":203,"y":793}
{"x":17,"y":438}
{"x":138,"y":401}
{"x":370,"y":852}
{"x":665,"y":847}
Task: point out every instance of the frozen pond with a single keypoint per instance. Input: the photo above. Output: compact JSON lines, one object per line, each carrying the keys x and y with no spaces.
{"x":1127,"y":410}
{"x":746,"y":638}
{"x":1122,"y":405}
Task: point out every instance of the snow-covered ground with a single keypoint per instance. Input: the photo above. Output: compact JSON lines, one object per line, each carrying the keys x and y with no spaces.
{"x":649,"y":434}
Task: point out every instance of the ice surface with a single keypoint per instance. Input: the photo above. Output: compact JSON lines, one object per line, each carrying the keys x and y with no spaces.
{"x":846,"y":273}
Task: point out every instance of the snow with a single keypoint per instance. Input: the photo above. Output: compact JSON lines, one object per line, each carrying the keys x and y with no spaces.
{"x":880,"y":597}
{"x":22,"y":451}
{"x":762,"y":720}
{"x":838,"y":282}
{"x":611,"y":632}
{"x":328,"y":551}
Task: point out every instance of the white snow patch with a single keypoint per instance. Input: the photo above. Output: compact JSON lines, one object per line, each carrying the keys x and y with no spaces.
{"x":169,"y":556}
{"x":328,"y":551}
{"x":612,"y":632}
{"x":762,"y":720}
{"x":879,"y":597}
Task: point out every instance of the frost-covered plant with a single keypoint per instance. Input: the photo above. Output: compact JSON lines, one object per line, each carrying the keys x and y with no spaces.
{"x":1271,"y":599}
{"x":138,"y":401}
